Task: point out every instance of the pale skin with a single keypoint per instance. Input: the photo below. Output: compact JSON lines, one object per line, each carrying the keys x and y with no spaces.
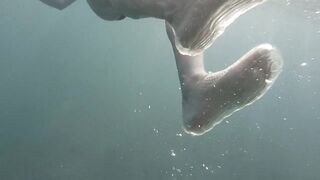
{"x":192,"y":26}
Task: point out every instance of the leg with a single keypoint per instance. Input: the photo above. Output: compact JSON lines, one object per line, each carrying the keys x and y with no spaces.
{"x":197,"y":24}
{"x":208,"y":98}
{"x":59,"y":4}
{"x":104,"y":10}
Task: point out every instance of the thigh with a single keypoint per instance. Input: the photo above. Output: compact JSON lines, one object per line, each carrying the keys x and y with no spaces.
{"x":59,"y":4}
{"x":104,"y":10}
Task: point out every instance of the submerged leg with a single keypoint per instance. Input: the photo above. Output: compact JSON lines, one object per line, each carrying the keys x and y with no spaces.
{"x":208,"y":98}
{"x":103,"y":9}
{"x":196,"y":24}
{"x":59,"y":4}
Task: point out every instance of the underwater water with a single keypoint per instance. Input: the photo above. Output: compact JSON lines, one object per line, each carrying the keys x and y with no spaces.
{"x":82,"y":98}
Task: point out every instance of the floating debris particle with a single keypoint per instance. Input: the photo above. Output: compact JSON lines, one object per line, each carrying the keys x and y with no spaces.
{"x":172,"y":153}
{"x":303,"y":64}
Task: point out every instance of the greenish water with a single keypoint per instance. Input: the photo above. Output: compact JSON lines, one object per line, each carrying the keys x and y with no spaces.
{"x":81,"y":98}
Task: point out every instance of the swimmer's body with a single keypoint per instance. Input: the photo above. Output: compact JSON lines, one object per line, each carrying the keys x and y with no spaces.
{"x":192,"y":26}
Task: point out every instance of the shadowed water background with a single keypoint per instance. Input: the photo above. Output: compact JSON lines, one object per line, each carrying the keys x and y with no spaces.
{"x":81,"y":98}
